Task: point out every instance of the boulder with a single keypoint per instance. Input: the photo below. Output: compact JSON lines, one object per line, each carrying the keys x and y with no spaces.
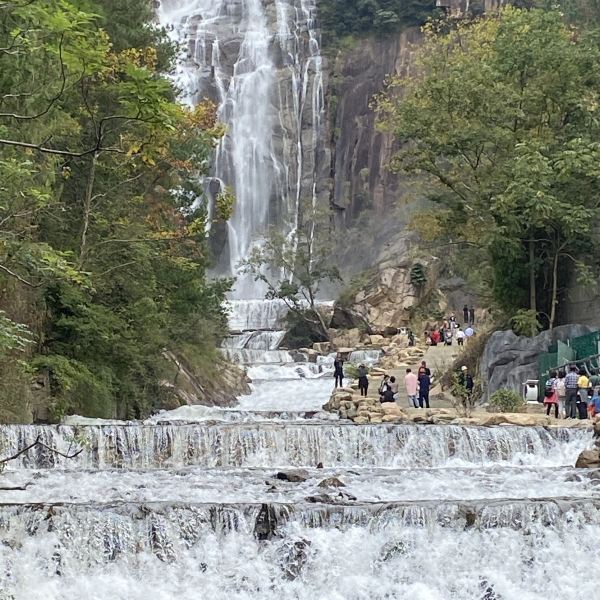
{"x":331,"y":482}
{"x":361,"y":420}
{"x":377,"y":340}
{"x":322,"y":347}
{"x":588,"y":459}
{"x":392,"y":418}
{"x":295,"y":476}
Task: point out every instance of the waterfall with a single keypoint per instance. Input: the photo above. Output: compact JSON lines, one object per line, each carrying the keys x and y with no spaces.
{"x":261,"y":62}
{"x":291,"y":444}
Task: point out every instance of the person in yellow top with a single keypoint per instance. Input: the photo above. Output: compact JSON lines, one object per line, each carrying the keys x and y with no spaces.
{"x":583,"y":383}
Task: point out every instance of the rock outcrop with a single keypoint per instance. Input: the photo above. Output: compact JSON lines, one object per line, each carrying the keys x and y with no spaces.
{"x":509,"y":360}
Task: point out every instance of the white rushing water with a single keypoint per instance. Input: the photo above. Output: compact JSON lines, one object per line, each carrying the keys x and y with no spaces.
{"x":190,"y":504}
{"x":261,"y":63}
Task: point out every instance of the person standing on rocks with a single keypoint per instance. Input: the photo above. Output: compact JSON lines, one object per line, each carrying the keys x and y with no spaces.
{"x":424,"y":385}
{"x":583,"y":383}
{"x":411,"y":383}
{"x":561,"y":392}
{"x":338,"y":370}
{"x":465,"y":314}
{"x":550,"y":394}
{"x":363,"y":380}
{"x":424,"y":368}
{"x":571,"y":387}
{"x":472,"y":315}
{"x":466,"y":379}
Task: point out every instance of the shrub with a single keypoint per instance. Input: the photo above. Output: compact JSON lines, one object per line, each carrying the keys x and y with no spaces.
{"x":507,"y":401}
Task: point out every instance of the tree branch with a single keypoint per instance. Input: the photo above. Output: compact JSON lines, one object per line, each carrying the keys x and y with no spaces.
{"x":54,"y":99}
{"x":38,"y":442}
{"x":19,"y":278}
{"x":46,"y":150}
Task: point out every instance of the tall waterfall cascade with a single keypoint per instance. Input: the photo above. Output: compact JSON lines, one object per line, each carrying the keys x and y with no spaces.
{"x":260,"y":61}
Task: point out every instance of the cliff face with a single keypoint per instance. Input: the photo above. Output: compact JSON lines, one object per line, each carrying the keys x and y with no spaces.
{"x":360,"y":153}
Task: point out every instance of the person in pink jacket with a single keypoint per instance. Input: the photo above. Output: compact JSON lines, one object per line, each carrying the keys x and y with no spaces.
{"x":411,"y":381}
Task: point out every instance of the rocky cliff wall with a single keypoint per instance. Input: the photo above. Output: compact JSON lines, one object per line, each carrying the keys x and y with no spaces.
{"x":360,"y":176}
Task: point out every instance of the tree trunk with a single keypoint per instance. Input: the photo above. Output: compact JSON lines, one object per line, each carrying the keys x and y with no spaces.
{"x":532,"y":286}
{"x":87,"y":209}
{"x":554,"y":299}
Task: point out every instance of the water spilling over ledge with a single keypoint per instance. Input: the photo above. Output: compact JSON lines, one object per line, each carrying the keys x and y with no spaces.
{"x":293,"y":443}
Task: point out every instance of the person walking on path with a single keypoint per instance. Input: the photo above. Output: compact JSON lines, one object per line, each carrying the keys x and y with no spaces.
{"x":550,"y":394}
{"x":363,"y":380}
{"x":338,"y":370}
{"x":583,"y":383}
{"x":424,"y":385}
{"x":472,"y":315}
{"x":465,"y":314}
{"x":460,"y":336}
{"x":571,"y":388}
{"x":411,"y":383}
{"x":561,"y":392}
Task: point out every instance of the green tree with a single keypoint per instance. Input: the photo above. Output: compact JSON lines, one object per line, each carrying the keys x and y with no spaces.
{"x":293,"y":267}
{"x":102,"y":221}
{"x":502,"y":120}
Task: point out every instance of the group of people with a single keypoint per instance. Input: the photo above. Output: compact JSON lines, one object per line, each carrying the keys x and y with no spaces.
{"x":417,"y":387}
{"x":574,"y":394}
{"x":451,"y":330}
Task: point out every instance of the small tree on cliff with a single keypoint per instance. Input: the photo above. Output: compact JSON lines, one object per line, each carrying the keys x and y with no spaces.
{"x":293,"y":268}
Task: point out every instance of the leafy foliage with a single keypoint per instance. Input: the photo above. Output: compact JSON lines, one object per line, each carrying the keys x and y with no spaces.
{"x":293,"y":267}
{"x":502,"y":121}
{"x":507,"y":401}
{"x":102,"y":224}
{"x":345,"y":17}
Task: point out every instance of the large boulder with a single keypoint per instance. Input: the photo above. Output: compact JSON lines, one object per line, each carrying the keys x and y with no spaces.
{"x":509,"y":360}
{"x":589,"y":459}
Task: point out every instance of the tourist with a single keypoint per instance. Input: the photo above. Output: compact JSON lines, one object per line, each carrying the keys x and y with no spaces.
{"x":436,"y":337}
{"x":460,"y":336}
{"x":448,"y":337}
{"x":595,"y":402}
{"x":424,"y":385}
{"x":384,"y":385}
{"x":388,"y":393}
{"x":465,"y":313}
{"x":363,"y":380}
{"x":411,"y":382}
{"x":424,"y":368}
{"x":394,"y":386}
{"x":465,"y":379}
{"x":411,"y":338}
{"x":338,"y":370}
{"x":595,"y":378}
{"x":561,"y":392}
{"x":472,"y":316}
{"x":550,"y":395}
{"x":571,"y":393}
{"x":469,"y":333}
{"x":583,"y":383}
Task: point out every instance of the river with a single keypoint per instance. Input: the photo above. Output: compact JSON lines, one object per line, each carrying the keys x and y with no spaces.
{"x":188,"y":505}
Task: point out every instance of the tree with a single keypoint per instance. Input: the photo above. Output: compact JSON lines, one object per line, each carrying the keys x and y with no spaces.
{"x":102,"y":221}
{"x":293,"y":267}
{"x":502,"y":119}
